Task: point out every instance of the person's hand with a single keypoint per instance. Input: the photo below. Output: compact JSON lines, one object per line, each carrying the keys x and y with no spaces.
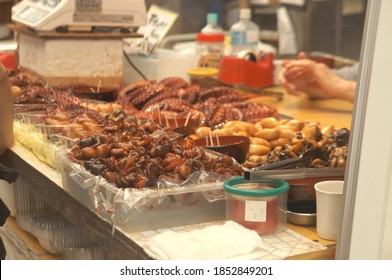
{"x":299,"y":76}
{"x":315,"y":79}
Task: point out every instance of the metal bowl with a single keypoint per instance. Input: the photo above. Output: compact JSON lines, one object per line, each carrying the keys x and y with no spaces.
{"x":302,"y":212}
{"x":301,"y":219}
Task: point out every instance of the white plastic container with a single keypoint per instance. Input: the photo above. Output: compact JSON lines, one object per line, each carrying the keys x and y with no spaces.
{"x":162,"y":64}
{"x":244,"y":34}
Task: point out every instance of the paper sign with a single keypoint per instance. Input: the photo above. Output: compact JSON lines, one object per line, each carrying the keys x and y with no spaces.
{"x":159,"y":22}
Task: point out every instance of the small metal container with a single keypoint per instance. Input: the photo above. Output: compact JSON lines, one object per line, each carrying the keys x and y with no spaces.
{"x":302,"y":212}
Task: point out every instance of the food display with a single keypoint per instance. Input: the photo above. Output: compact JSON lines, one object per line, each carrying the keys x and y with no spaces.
{"x":135,"y":153}
{"x":159,"y":149}
{"x":206,"y":112}
{"x":174,"y":97}
{"x":273,"y":140}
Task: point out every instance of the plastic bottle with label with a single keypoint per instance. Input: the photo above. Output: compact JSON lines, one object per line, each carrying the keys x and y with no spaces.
{"x":210,"y":43}
{"x":244,"y":35}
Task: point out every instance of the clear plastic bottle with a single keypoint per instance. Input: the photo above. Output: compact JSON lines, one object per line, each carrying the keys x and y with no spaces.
{"x":244,"y":34}
{"x":212,"y":24}
{"x":210,"y":43}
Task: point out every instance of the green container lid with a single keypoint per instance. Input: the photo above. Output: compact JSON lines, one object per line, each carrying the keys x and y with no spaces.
{"x":272,"y":187}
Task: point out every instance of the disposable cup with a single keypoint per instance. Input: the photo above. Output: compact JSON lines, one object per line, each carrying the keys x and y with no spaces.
{"x":329,"y":208}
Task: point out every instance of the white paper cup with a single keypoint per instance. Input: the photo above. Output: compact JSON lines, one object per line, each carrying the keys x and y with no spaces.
{"x":329,"y":208}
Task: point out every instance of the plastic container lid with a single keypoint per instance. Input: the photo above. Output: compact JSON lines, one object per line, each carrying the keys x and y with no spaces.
{"x":212,"y":18}
{"x":207,"y":71}
{"x":279,"y":187}
{"x":210,"y":37}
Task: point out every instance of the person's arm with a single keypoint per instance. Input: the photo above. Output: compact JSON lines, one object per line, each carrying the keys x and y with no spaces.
{"x":316,"y":80}
{"x":349,"y":72}
{"x":6,"y":112}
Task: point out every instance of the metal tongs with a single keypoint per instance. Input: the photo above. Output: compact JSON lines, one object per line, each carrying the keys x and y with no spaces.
{"x":304,"y":160}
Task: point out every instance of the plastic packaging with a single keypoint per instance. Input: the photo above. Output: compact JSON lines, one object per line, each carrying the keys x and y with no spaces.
{"x":210,"y":43}
{"x":200,"y":198}
{"x":53,"y":231}
{"x":244,"y":35}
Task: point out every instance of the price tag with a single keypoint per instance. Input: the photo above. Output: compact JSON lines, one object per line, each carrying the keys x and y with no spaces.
{"x":159,"y":22}
{"x":255,"y":211}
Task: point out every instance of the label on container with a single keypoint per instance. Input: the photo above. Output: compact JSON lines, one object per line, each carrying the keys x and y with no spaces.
{"x":252,"y":37}
{"x":255,"y":211}
{"x":242,"y":38}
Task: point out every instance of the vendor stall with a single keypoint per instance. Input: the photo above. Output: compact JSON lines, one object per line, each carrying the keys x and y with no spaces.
{"x":158,"y":168}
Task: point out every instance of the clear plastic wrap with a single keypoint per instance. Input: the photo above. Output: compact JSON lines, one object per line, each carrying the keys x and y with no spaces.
{"x":82,"y":253}
{"x":36,"y":142}
{"x":53,"y":231}
{"x":201,"y":198}
{"x":26,"y":201}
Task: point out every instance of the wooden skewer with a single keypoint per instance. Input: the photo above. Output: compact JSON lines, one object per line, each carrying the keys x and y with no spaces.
{"x":217,"y":140}
{"x":175,"y":121}
{"x":99,"y":85}
{"x":210,"y":133}
{"x":159,"y":115}
{"x":187,"y":119}
{"x":167,"y":122}
{"x":92,"y":90}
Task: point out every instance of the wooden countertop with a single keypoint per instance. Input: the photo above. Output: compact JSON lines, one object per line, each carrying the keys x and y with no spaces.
{"x":326,"y":112}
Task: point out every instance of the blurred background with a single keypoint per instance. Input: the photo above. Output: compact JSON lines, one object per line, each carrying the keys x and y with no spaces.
{"x":330,"y":26}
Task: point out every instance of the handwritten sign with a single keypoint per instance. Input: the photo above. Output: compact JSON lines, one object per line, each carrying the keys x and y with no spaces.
{"x":159,"y":22}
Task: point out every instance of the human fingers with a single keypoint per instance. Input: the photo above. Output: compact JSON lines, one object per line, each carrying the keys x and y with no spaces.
{"x":287,"y":85}
{"x":287,"y":61}
{"x":305,"y":63}
{"x":282,"y":77}
{"x":292,"y":89}
{"x":303,"y":55}
{"x":298,"y":73}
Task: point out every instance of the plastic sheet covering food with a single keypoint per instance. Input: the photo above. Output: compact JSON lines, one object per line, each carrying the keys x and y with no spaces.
{"x":53,"y":231}
{"x":36,"y":142}
{"x":200,"y":198}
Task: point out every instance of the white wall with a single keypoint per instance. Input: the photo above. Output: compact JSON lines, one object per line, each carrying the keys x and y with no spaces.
{"x":367,"y":221}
